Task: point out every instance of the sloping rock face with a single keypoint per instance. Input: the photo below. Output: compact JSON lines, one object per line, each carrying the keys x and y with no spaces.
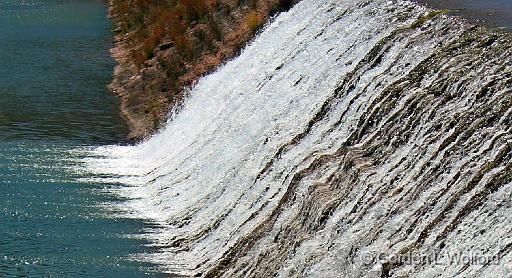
{"x":162,"y":47}
{"x":358,"y":138}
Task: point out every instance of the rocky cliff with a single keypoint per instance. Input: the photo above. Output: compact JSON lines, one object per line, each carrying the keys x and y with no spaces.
{"x":162,"y":47}
{"x":362,"y":138}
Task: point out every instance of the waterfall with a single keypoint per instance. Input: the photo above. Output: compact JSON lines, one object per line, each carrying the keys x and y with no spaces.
{"x":347,"y":136}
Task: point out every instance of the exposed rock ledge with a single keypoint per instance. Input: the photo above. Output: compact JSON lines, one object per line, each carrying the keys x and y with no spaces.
{"x":155,"y":62}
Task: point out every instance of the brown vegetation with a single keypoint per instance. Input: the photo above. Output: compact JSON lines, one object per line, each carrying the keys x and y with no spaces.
{"x":165,"y":45}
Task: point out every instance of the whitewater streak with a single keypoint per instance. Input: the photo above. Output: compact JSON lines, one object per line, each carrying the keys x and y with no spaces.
{"x":347,"y":135}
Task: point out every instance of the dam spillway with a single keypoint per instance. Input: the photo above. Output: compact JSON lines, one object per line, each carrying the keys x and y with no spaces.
{"x":346,"y":135}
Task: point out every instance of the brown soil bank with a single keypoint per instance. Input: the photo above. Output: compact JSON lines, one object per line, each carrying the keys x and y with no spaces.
{"x":164,"y":46}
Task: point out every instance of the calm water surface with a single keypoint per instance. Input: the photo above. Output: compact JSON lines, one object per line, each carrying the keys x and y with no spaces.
{"x":496,"y":13}
{"x":54,"y":66}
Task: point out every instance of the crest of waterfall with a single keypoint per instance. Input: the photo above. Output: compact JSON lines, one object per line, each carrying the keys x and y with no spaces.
{"x":346,"y":135}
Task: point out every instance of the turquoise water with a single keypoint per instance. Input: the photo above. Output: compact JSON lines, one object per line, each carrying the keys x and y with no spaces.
{"x":54,"y":66}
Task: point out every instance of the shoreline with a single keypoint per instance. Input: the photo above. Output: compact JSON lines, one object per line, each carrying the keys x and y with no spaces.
{"x":147,"y":91}
{"x":353,"y":104}
{"x":123,"y":72}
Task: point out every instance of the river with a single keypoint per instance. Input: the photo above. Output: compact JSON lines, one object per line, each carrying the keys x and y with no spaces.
{"x":346,"y":135}
{"x":54,"y":68}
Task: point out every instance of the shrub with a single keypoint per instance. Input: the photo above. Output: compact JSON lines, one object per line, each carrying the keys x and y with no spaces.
{"x":138,"y":58}
{"x":253,"y":20}
{"x":197,"y":10}
{"x":152,"y":40}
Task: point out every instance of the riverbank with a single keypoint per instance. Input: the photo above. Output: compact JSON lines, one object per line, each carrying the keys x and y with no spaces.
{"x":162,"y":48}
{"x":347,"y":135}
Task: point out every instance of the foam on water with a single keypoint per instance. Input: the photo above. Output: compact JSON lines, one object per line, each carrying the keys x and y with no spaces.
{"x":345,"y":128}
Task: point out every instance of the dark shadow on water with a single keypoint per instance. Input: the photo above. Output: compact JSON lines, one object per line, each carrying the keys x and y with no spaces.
{"x":54,"y":69}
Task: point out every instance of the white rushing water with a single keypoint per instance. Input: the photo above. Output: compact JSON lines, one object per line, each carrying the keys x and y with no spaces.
{"x":347,"y":135}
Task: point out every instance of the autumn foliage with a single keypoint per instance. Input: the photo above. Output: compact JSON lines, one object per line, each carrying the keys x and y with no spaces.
{"x":167,"y":45}
{"x":155,"y":22}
